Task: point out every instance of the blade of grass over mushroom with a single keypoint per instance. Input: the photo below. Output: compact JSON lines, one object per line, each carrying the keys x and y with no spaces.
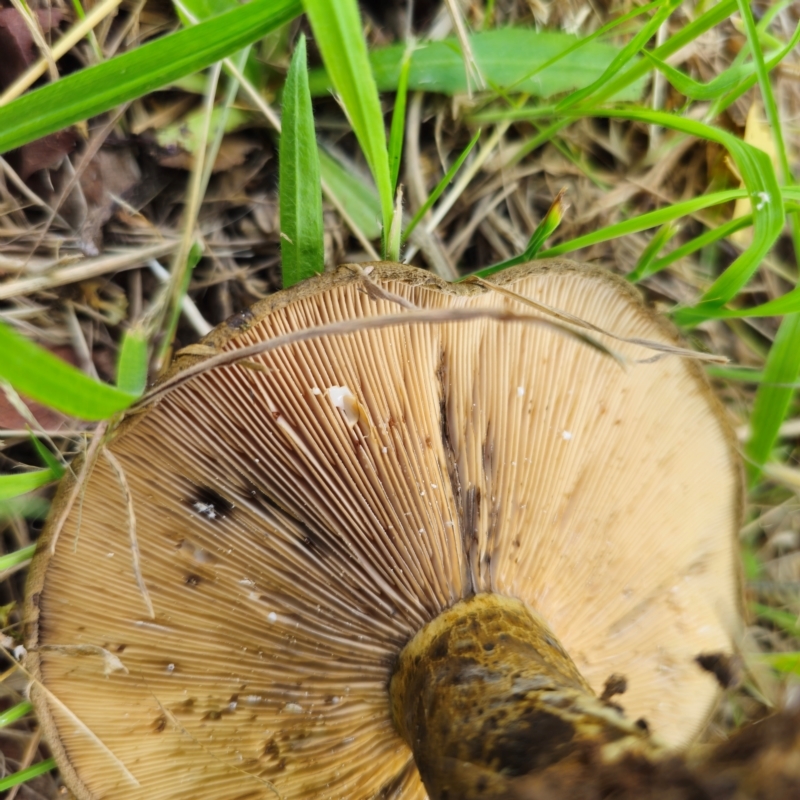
{"x":26,"y":774}
{"x":132,"y":363}
{"x":441,"y":186}
{"x":101,"y":87}
{"x":563,"y":323}
{"x":38,"y":374}
{"x":339,"y":36}
{"x":17,"y":557}
{"x":774,"y":395}
{"x":302,"y":245}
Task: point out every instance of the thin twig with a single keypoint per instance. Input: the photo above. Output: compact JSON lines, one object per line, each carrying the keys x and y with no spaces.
{"x":135,"y":552}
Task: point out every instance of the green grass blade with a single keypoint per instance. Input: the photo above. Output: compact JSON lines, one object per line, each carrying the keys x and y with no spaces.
{"x":688,"y":33}
{"x":546,"y":228}
{"x":698,"y":243}
{"x":785,"y":620}
{"x":774,"y":395}
{"x":643,"y":222}
{"x":583,"y":41}
{"x":644,"y":267}
{"x":783,"y":362}
{"x":738,"y":78}
{"x":740,"y":374}
{"x":14,"y":713}
{"x":695,"y":90}
{"x":339,"y":36}
{"x":393,"y":239}
{"x":399,"y":120}
{"x":538,"y":63}
{"x":357,"y":195}
{"x":622,"y":82}
{"x":17,"y":557}
{"x":770,"y":106}
{"x":13,"y":485}
{"x":783,"y":662}
{"x":623,"y":58}
{"x":551,"y":221}
{"x":302,"y":239}
{"x":441,"y":186}
{"x":176,"y":303}
{"x":38,"y":374}
{"x":132,"y":364}
{"x":27,"y":774}
{"x":685,"y":35}
{"x":50,"y":461}
{"x":759,"y":178}
{"x":101,"y":87}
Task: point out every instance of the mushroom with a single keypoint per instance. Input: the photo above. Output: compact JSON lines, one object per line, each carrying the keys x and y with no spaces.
{"x":395,"y":542}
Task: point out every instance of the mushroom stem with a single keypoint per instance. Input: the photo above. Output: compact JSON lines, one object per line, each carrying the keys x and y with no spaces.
{"x":485,"y":694}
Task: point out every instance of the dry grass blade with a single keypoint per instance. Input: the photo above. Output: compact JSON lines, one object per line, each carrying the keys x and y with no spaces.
{"x":345,"y":327}
{"x":665,"y":349}
{"x":35,"y":29}
{"x":86,"y":467}
{"x":60,"y":48}
{"x":474,"y":74}
{"x":86,"y":269}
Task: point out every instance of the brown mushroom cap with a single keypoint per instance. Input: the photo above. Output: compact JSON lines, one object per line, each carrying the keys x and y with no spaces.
{"x":296,"y":524}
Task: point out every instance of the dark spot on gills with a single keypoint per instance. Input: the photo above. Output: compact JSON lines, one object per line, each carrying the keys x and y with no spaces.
{"x":209,"y":504}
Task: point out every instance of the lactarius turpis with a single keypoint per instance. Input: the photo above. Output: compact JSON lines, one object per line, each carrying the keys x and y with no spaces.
{"x":382,"y":536}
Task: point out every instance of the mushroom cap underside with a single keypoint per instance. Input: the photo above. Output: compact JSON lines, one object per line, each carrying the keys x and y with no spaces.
{"x":230,"y":590}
